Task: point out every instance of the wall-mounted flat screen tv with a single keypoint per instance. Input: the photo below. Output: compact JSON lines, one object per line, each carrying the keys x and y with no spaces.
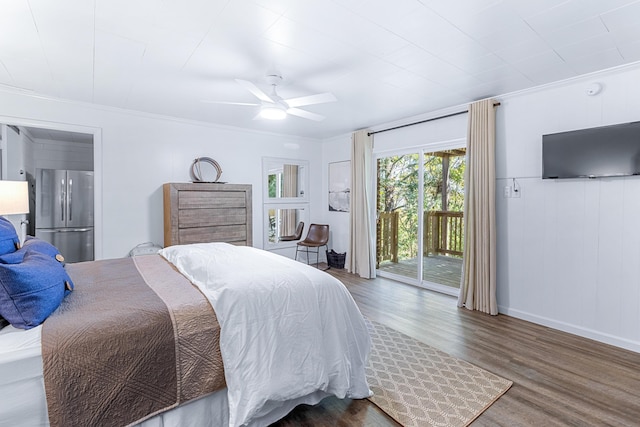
{"x":592,"y":153}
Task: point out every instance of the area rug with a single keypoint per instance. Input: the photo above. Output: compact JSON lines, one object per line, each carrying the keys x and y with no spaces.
{"x":418,"y":385}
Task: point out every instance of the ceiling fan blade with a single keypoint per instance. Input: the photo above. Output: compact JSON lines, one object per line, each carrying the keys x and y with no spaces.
{"x":319,"y":98}
{"x":305,"y":114}
{"x":254,"y":90}
{"x":206,"y":101}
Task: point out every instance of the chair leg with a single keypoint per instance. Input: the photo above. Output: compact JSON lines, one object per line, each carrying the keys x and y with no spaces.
{"x":317,"y":255}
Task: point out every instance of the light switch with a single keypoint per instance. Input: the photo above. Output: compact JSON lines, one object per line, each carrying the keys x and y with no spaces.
{"x":506,"y":192}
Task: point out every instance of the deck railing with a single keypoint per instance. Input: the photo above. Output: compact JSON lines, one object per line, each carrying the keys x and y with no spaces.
{"x":387,"y":237}
{"x":443,"y":234}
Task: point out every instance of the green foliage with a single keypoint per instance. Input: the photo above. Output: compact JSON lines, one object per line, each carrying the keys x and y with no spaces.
{"x":398,"y":191}
{"x":273,"y":185}
{"x":457,"y":169}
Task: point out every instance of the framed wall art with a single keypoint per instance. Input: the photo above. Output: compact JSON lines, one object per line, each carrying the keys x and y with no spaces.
{"x":340,"y":186}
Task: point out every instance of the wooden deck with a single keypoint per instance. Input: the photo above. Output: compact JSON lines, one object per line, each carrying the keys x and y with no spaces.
{"x":444,"y":270}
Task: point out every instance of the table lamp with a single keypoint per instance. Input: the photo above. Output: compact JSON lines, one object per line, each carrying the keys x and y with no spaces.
{"x":14,"y":200}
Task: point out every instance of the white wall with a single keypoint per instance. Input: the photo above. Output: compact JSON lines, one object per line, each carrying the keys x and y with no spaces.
{"x":336,"y":149}
{"x":568,"y":250}
{"x":17,"y":149}
{"x":136,"y":153}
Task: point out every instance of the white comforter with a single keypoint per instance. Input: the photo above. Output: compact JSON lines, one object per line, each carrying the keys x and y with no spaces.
{"x":287,"y":330}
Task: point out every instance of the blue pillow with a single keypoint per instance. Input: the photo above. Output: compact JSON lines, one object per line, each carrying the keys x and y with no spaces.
{"x":32,"y":289}
{"x":42,"y":246}
{"x":9,"y":241}
{"x":32,"y":244}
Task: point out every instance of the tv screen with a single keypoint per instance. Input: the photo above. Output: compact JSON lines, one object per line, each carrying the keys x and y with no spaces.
{"x":591,"y":153}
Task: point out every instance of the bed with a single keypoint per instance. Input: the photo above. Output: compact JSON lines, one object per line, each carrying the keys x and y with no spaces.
{"x":248,"y":336}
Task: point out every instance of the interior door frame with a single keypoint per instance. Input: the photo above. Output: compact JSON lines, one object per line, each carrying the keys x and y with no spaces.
{"x":97,"y":166}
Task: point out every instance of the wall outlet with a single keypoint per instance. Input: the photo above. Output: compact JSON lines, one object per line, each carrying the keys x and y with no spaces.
{"x":506,"y":192}
{"x":516,"y":192}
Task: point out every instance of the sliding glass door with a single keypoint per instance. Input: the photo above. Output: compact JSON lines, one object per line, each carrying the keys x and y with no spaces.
{"x":443,"y":203}
{"x":398,"y":222}
{"x":421,"y":245}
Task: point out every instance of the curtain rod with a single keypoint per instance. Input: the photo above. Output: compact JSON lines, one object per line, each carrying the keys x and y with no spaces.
{"x":496,"y":104}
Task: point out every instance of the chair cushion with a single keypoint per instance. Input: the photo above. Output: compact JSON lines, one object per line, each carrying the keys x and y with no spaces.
{"x":9,"y":241}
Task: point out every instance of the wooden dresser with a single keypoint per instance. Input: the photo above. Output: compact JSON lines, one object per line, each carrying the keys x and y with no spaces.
{"x":200,"y":213}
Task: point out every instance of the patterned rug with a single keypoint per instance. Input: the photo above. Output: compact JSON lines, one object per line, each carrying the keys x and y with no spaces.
{"x":418,"y":385}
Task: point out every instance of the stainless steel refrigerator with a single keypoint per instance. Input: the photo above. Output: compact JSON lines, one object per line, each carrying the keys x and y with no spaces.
{"x":64,"y":212}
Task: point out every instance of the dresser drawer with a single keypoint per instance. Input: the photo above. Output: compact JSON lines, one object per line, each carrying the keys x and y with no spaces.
{"x":206,"y":199}
{"x":200,"y":213}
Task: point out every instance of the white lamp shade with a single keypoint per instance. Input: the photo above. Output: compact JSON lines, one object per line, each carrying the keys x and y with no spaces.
{"x":14,"y":197}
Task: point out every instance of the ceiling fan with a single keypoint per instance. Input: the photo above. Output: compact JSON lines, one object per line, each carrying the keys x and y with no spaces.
{"x":274,"y":107}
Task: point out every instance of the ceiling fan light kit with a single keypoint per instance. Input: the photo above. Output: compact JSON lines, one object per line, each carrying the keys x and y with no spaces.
{"x":274,"y":107}
{"x":273,"y":112}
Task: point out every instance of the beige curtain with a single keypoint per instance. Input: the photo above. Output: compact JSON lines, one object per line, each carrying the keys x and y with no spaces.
{"x":361,"y":245}
{"x":478,"y":283}
{"x":289,"y":189}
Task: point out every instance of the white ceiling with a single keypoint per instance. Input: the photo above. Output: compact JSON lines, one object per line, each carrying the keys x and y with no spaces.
{"x":384,"y":60}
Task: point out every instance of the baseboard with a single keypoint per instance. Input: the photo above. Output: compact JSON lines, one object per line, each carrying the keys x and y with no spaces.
{"x":573,"y":329}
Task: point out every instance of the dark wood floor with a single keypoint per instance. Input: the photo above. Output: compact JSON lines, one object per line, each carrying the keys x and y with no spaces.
{"x":559,"y":379}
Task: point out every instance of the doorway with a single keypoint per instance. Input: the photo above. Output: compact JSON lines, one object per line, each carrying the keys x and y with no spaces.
{"x":52,"y":132}
{"x":420,"y":199}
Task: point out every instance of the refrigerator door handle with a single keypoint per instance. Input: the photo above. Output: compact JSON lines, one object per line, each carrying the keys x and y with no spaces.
{"x":62,"y":199}
{"x":69,"y":201}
